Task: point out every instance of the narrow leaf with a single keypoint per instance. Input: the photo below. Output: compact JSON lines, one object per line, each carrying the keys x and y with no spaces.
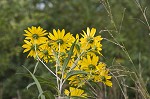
{"x":37,"y":84}
{"x":49,"y":95}
{"x":31,"y":84}
{"x":69,"y":57}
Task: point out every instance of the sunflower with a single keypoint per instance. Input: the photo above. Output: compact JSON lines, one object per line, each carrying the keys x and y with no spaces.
{"x":97,"y":71}
{"x":29,"y":46}
{"x":61,"y":40}
{"x":101,"y":75}
{"x":77,"y":80}
{"x":46,"y":51}
{"x":88,"y":40}
{"x":75,"y":92}
{"x":95,"y":50}
{"x":89,"y":63}
{"x":35,"y":34}
{"x":106,"y":78}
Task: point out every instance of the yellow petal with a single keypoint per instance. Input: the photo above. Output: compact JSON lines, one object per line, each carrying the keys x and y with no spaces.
{"x":55,"y":34}
{"x":93,"y":31}
{"x":88,"y":31}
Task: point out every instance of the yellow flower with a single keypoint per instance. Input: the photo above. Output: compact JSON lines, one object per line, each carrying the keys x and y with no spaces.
{"x":75,"y":92}
{"x":106,"y":78}
{"x":88,"y":40}
{"x":46,"y":51}
{"x":29,"y":46}
{"x":59,"y":38}
{"x":77,"y":80}
{"x":36,"y":35}
{"x":95,"y":50}
{"x":73,"y":65}
{"x":101,"y":75}
{"x":97,"y":71}
{"x":89,"y":64}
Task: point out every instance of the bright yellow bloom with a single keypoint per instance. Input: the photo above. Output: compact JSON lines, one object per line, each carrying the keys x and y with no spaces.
{"x":75,"y":92}
{"x":97,"y":71}
{"x":106,"y":78}
{"x":101,"y":75}
{"x":29,"y":46}
{"x":89,"y":41}
{"x":46,"y":51}
{"x":73,"y":65}
{"x":61,"y":42}
{"x":77,"y":80}
{"x":36,"y":35}
{"x":95,"y":50}
{"x":89,"y":64}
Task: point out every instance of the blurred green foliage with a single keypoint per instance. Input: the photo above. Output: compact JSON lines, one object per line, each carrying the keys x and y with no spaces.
{"x":74,"y":16}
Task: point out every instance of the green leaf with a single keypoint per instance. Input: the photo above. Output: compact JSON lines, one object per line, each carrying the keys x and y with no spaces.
{"x":49,"y":95}
{"x":31,"y":84}
{"x":50,"y":85}
{"x":37,"y":84}
{"x":77,"y":47}
{"x":75,"y":72}
{"x":69,"y":57}
{"x":49,"y":82}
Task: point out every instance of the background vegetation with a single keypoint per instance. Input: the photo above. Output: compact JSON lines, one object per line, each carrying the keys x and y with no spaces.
{"x":124,"y":25}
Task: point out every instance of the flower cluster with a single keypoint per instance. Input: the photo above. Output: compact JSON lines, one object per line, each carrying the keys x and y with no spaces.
{"x":76,"y":59}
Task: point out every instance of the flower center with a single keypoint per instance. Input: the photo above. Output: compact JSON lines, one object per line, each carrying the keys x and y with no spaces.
{"x":90,"y":39}
{"x":91,"y":66}
{"x":45,"y":52}
{"x":49,"y":44}
{"x":103,"y":78}
{"x":35,"y":36}
{"x":60,"y":41}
